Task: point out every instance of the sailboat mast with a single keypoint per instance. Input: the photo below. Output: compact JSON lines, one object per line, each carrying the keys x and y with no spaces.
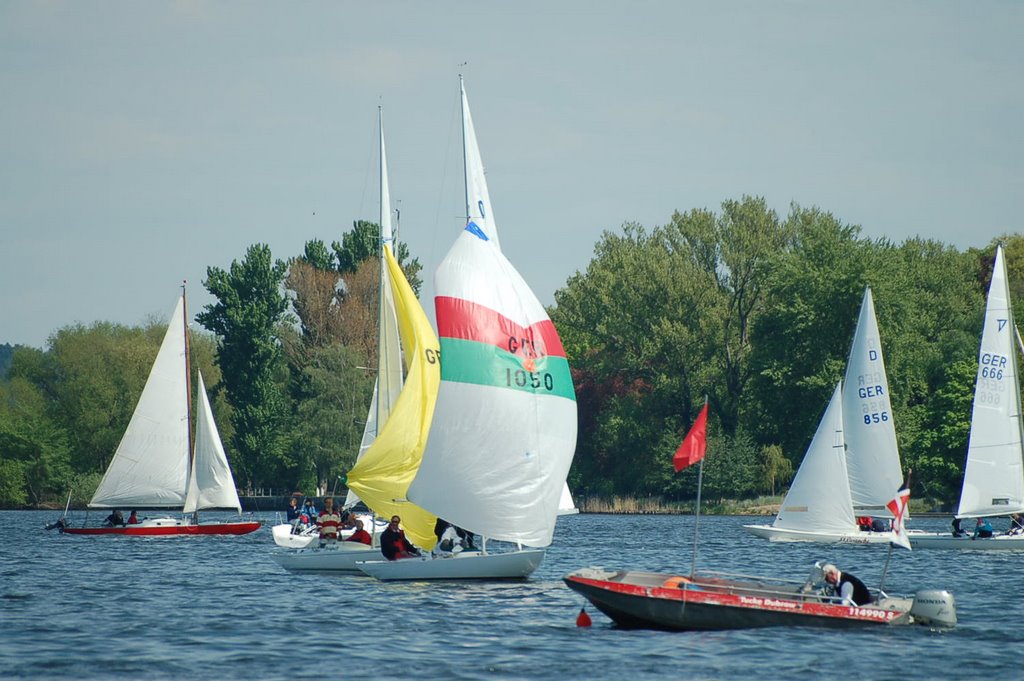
{"x":465,"y":149}
{"x":383,"y":406}
{"x":188,"y":377}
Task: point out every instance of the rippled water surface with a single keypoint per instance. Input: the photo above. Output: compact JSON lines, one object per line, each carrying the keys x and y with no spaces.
{"x":220,"y":608}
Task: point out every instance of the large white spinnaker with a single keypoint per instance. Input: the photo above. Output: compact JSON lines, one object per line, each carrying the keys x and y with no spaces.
{"x":504,"y":429}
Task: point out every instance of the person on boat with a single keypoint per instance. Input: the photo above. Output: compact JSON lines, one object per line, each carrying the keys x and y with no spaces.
{"x":309,"y":510}
{"x":958,"y":531}
{"x":983,"y":529}
{"x":294,"y":512}
{"x":848,"y":587}
{"x":864,"y":523}
{"x":359,"y":535}
{"x":1016,"y":524}
{"x":114,"y":519}
{"x":465,"y":538}
{"x":133,"y":518}
{"x":328,"y":522}
{"x":393,"y":543}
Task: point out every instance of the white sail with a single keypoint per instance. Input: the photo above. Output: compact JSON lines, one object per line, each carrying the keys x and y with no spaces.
{"x":478,"y":200}
{"x":566,"y":506}
{"x":994,"y":475}
{"x":504,"y":429}
{"x":388,"y":384}
{"x":211,"y":484}
{"x":872,"y":455}
{"x":819,"y":498}
{"x":150,"y":467}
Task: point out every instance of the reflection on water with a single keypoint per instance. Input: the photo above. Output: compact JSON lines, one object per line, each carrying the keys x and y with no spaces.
{"x":220,"y":608}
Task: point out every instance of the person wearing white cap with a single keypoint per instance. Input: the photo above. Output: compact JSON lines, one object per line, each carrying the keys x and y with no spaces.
{"x":849,"y":588}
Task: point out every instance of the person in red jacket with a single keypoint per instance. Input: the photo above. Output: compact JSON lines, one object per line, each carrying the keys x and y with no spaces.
{"x":360,"y":534}
{"x":393,"y":543}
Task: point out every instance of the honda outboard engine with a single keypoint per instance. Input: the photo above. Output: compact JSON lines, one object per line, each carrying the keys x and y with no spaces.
{"x":934,"y":608}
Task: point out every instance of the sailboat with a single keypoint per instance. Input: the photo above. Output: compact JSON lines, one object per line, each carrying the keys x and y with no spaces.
{"x":994,"y":475}
{"x":401,"y":414}
{"x":566,"y":506}
{"x":852,"y":464}
{"x":154,"y":466}
{"x":504,"y":430}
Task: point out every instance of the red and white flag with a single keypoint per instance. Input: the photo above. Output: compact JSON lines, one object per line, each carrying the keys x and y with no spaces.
{"x":695,"y":444}
{"x":898,"y":508}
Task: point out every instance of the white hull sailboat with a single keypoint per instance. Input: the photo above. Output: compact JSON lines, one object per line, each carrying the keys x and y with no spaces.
{"x":504,"y":428}
{"x":818,"y":506}
{"x":156,"y":465}
{"x":393,"y":444}
{"x":994,"y":475}
{"x":463,"y":565}
{"x":340,"y":557}
{"x":858,"y":470}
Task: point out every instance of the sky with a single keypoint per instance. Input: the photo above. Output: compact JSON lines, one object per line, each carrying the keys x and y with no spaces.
{"x":144,"y":142}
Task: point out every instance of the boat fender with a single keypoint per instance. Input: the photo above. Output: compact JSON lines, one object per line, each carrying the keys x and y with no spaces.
{"x":675,"y":582}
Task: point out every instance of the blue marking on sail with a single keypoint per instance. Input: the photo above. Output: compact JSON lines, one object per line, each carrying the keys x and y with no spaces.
{"x":475,"y":230}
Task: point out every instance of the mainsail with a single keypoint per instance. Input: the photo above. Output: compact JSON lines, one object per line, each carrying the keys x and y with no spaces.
{"x":382,"y":474}
{"x":150,"y":467}
{"x":872,"y":455}
{"x":388,"y":384}
{"x":994,"y":475}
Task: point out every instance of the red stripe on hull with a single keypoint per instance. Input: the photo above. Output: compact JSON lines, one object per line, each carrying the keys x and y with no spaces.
{"x":465,"y":320}
{"x":168,"y":530}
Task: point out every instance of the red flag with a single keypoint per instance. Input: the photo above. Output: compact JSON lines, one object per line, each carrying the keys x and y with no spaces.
{"x":695,"y":444}
{"x":898,"y":508}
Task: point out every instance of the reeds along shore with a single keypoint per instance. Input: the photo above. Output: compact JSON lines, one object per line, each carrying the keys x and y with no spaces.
{"x":767,"y":505}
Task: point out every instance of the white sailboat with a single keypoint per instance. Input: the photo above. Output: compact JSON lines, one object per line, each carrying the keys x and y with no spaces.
{"x":388,"y":383}
{"x":566,"y":506}
{"x":504,"y":429}
{"x":153,"y":466}
{"x":871,"y":473}
{"x":399,"y":418}
{"x":994,"y":475}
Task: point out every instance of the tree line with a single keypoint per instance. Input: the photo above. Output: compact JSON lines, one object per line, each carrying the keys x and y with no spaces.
{"x":752,"y":311}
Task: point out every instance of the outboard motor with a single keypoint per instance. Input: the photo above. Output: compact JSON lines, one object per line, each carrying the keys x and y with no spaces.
{"x":934,"y":607}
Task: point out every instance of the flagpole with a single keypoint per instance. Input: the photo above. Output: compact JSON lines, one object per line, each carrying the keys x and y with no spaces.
{"x":885,"y":569}
{"x":696,"y":519}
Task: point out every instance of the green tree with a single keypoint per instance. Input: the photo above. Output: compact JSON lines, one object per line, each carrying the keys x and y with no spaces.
{"x":245,"y":318}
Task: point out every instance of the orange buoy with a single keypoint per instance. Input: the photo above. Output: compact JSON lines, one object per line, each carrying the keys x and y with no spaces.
{"x":583,"y":619}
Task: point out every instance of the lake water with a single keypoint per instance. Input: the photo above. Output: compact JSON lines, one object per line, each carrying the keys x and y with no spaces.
{"x":220,"y":608}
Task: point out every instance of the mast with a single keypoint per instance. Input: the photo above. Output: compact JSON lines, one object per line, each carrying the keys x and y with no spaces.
{"x":465,"y":149}
{"x":188,"y":379}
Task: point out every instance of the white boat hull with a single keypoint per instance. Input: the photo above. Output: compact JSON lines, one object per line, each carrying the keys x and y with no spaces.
{"x":341,"y":558}
{"x":283,"y":537}
{"x":785,"y":535}
{"x":940,"y":540}
{"x":464,"y":565}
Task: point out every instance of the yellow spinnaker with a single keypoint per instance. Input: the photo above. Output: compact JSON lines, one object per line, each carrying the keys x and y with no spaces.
{"x":382,"y":476}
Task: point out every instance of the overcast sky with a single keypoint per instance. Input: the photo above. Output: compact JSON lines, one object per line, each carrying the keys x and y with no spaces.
{"x":145,"y":141}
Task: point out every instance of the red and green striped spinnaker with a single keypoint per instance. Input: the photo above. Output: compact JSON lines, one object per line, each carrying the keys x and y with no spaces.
{"x":484,"y":347}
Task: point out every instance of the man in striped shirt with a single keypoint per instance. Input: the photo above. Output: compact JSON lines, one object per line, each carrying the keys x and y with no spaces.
{"x":328,"y":522}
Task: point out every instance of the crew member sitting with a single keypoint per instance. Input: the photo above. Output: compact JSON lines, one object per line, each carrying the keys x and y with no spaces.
{"x":360,"y":534}
{"x":393,"y":543}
